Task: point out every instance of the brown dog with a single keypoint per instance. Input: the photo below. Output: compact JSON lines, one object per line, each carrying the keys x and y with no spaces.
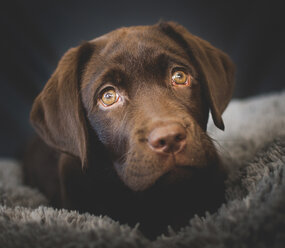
{"x":126,"y":115}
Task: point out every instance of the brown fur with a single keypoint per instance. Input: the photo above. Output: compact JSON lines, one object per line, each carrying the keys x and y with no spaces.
{"x":104,"y":163}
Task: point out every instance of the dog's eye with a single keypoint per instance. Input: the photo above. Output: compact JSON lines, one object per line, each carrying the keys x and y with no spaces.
{"x":180,"y":78}
{"x":109,"y":97}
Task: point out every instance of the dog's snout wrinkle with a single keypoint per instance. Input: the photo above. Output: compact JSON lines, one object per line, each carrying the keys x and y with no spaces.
{"x":167,"y":139}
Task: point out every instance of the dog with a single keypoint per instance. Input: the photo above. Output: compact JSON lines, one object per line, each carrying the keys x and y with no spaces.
{"x":122,"y":124}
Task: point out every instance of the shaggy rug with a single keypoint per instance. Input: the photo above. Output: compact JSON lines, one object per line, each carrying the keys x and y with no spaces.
{"x":253,"y":148}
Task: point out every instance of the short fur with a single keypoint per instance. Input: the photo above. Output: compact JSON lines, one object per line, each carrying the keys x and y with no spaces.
{"x":106,"y":152}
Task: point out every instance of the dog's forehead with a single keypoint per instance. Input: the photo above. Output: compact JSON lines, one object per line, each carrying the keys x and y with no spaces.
{"x":129,"y":36}
{"x":137,"y":42}
{"x":141,"y":51}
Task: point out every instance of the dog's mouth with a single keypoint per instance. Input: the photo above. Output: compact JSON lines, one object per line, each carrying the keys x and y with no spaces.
{"x":141,"y":179}
{"x":173,"y":171}
{"x":177,"y":175}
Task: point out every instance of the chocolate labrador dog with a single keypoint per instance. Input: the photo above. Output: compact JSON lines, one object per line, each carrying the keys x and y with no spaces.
{"x":123,"y":124}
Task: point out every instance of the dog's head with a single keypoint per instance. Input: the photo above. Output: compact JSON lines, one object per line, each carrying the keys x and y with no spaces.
{"x":146,"y":92}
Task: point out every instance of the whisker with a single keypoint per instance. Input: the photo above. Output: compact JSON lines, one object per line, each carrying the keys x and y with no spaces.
{"x":220,"y":147}
{"x":122,"y":158}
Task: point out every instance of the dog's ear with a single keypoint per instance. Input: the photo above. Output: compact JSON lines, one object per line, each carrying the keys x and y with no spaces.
{"x":217,"y":73}
{"x":57,"y":113}
{"x":215,"y":68}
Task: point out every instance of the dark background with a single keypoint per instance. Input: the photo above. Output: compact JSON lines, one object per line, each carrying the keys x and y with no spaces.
{"x":35,"y":34}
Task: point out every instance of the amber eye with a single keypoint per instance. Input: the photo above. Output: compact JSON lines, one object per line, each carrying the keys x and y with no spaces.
{"x":180,"y":78}
{"x":109,"y":97}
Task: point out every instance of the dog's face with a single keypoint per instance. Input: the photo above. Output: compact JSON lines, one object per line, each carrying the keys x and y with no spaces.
{"x":146,"y":92}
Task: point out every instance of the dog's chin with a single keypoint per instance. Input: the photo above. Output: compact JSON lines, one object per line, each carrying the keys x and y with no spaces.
{"x":189,"y":187}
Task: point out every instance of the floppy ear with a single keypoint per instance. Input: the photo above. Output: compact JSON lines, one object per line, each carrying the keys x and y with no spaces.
{"x":57,"y":113}
{"x":218,"y":75}
{"x":215,"y":69}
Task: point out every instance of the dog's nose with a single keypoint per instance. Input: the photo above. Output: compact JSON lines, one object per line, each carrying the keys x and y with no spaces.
{"x":170,"y":138}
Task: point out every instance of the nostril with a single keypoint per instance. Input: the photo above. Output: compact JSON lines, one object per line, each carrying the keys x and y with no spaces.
{"x":179,"y":137}
{"x":162,"y":142}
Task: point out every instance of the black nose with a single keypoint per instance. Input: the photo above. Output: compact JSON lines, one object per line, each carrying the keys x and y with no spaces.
{"x":170,"y":138}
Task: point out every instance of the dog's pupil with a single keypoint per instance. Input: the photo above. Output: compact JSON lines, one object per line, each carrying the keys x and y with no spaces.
{"x":109,"y":95}
{"x":162,"y":142}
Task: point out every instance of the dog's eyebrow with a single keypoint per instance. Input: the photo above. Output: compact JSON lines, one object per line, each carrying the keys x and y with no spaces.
{"x":114,"y":75}
{"x":169,"y":31}
{"x":180,"y":62}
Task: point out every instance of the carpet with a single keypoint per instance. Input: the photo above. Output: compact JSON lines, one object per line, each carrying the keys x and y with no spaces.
{"x":253,"y":149}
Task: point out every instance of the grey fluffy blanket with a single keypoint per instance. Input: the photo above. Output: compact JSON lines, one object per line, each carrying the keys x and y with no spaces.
{"x":253,"y":148}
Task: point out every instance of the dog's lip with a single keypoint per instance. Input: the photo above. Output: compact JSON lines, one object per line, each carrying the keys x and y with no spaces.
{"x":182,"y":171}
{"x":172,"y":168}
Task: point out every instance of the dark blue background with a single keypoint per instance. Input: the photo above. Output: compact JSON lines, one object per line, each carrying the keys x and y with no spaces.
{"x":35,"y":34}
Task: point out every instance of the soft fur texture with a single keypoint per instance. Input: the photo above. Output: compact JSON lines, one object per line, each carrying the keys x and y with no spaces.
{"x":253,"y":147}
